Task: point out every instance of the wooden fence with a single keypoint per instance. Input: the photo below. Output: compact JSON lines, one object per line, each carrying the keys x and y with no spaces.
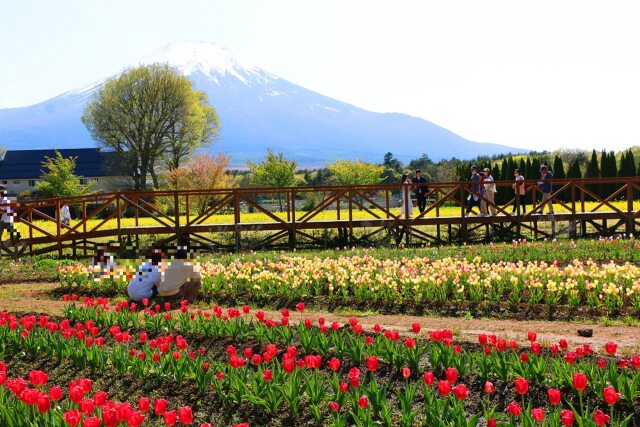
{"x":224,"y":219}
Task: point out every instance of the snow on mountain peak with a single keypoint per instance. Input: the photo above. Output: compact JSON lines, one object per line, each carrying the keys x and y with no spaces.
{"x":208,"y":58}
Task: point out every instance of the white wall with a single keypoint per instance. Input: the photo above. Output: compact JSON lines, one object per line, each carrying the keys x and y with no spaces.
{"x":17,"y":186}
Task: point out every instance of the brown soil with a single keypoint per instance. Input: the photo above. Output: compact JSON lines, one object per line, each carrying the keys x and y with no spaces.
{"x":36,"y":298}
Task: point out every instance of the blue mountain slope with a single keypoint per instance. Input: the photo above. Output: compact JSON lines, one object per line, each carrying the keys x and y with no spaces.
{"x":257,"y":110}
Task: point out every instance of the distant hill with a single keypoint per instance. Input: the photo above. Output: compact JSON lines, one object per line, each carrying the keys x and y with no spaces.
{"x":257,"y":110}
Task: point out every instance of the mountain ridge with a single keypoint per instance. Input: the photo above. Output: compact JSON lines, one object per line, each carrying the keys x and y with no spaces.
{"x":257,"y":110}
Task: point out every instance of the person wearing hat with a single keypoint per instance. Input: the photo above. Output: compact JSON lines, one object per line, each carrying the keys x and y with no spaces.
{"x":545,"y":188}
{"x":489,"y":192}
{"x":421,"y":190}
{"x":473,"y":199}
{"x":7,"y":215}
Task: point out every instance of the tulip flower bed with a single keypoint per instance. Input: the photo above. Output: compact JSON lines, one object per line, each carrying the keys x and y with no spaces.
{"x":525,"y":289}
{"x":117,"y":364}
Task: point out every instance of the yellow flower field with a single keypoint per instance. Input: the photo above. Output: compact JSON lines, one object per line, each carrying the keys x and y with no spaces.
{"x":258,"y":217}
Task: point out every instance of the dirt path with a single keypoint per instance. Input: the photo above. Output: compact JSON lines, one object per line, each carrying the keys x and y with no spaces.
{"x":29,"y":297}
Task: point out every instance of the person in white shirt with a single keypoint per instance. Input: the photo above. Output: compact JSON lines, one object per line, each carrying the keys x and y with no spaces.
{"x":65,"y":215}
{"x":181,"y":279}
{"x":145,"y":283}
{"x":489,"y":193}
{"x":520,"y":191}
{"x":407,"y":204}
{"x":7,"y":215}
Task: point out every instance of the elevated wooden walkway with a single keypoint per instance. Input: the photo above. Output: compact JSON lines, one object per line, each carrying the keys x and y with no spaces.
{"x":222,"y":219}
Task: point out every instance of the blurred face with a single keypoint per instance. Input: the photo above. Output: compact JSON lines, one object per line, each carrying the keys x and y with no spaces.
{"x":516,"y":173}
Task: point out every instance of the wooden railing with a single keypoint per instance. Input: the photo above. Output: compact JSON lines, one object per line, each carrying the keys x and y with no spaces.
{"x":298,"y":216}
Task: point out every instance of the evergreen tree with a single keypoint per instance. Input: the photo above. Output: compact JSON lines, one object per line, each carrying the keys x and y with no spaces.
{"x":574,"y":170}
{"x":558,"y":168}
{"x":593,"y":171}
{"x":608,"y":170}
{"x":527,"y":170}
{"x":558,"y":173}
{"x":535,"y":168}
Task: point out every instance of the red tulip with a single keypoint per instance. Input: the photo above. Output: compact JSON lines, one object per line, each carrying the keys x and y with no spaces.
{"x":452,"y":375}
{"x":72,"y":417}
{"x":267,"y":375}
{"x":522,"y":386}
{"x":76,"y":393}
{"x":344,"y":387}
{"x":482,"y":339}
{"x":246,"y":309}
{"x":460,"y":391}
{"x":354,"y":377}
{"x":570,"y":357}
{"x":554,"y":396}
{"x":334,"y":364}
{"x":144,"y":404}
{"x":444,"y":388}
{"x":491,"y":422}
{"x":532,"y":336}
{"x":489,"y":388}
{"x":409,"y":342}
{"x":160,"y":406}
{"x":300,"y":306}
{"x":579,"y":381}
{"x":537,"y":414}
{"x":56,"y":393}
{"x":600,"y":417}
{"x":563,"y":344}
{"x":568,"y":417}
{"x":38,"y":378}
{"x":406,"y":372}
{"x":44,"y":403}
{"x":363,"y":402}
{"x":429,"y":378}
{"x":87,"y":406}
{"x":334,"y":407}
{"x":415,"y":327}
{"x":610,"y":395}
{"x":610,"y":348}
{"x":524,"y":358}
{"x":514,"y":409}
{"x":110,"y":416}
{"x":91,"y":422}
{"x":185,"y":415}
{"x":170,"y":418}
{"x":372,"y":363}
{"x":536,"y":348}
{"x":288,"y":365}
{"x":100,"y":398}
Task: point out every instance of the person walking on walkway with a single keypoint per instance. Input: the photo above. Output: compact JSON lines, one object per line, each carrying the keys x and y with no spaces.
{"x":545,"y":187}
{"x":488,"y":198}
{"x":407,"y":204}
{"x":65,"y":215}
{"x":421,"y":190}
{"x":473,"y":199}
{"x":7,"y":216}
{"x":519,"y":190}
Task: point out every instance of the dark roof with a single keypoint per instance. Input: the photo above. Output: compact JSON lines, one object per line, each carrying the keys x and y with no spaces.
{"x":27,"y":164}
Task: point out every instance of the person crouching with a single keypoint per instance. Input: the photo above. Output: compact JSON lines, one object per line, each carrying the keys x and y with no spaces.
{"x":181,"y":279}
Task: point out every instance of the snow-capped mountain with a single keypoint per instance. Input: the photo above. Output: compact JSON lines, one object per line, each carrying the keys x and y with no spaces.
{"x":256,"y":110}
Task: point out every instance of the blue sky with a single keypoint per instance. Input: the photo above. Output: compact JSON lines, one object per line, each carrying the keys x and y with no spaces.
{"x":539,"y":75}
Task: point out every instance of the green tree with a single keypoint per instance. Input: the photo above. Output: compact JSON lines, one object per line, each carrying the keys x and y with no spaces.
{"x":558,"y":168}
{"x":58,"y":178}
{"x":150,"y":115}
{"x":593,"y":171}
{"x":574,"y":170}
{"x":350,"y":172}
{"x":274,"y":171}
